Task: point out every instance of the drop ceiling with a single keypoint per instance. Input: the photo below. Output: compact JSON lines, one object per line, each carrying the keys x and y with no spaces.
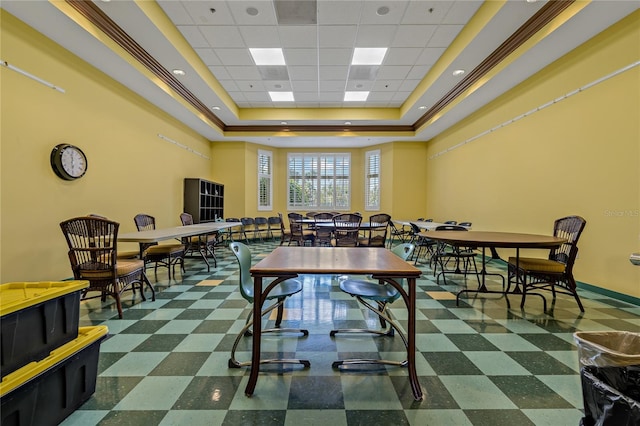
{"x":413,"y":95}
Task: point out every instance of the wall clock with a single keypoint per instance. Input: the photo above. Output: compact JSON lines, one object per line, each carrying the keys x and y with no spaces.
{"x":68,"y":161}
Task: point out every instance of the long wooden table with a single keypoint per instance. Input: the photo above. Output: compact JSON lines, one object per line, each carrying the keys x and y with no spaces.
{"x":176,"y":232}
{"x":485,"y":239}
{"x":289,"y":262}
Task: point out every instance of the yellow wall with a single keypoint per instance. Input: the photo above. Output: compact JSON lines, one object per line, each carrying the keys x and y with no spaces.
{"x":130,"y":170}
{"x":579,"y":156}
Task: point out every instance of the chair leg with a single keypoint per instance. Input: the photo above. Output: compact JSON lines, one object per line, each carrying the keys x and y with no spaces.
{"x":384,"y":316}
{"x":233,"y":363}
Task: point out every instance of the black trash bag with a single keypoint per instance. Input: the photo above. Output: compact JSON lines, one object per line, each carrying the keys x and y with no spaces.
{"x":611,"y":395}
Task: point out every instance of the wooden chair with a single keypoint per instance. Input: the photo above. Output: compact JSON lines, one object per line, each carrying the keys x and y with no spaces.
{"x":554,"y":273}
{"x":285,"y":234}
{"x":382,"y":294}
{"x":278,"y":294}
{"x":168,"y":255}
{"x":323,"y":233}
{"x":376,"y":234}
{"x":346,"y":229}
{"x":299,"y":234}
{"x":93,"y":254}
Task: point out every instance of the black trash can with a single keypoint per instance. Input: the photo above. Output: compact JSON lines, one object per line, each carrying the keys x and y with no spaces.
{"x":610,"y":375}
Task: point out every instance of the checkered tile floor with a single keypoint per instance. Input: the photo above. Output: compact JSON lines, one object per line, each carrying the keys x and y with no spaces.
{"x":479,"y":363}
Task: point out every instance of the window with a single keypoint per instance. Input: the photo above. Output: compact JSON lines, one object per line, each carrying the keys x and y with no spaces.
{"x":265,"y":179}
{"x":372,"y":180}
{"x":319,"y":181}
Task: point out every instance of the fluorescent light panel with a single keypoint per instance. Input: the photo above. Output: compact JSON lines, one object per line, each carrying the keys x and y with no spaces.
{"x":281,"y":96}
{"x":368,"y":55}
{"x":356,"y":96}
{"x":268,"y":56}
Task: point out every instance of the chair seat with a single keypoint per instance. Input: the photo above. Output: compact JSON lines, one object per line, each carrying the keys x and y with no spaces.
{"x":164,"y":249}
{"x":538,"y":265}
{"x":130,"y":254}
{"x":284,"y":289}
{"x":370,"y":290}
{"x":123,"y":267}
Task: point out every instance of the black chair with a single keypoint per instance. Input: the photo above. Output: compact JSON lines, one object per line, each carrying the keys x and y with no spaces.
{"x":346,"y":229}
{"x":93,"y":254}
{"x":278,"y":294}
{"x":554,"y":273}
{"x":204,"y":244}
{"x":273,"y":225}
{"x":168,"y":255}
{"x":422,"y":243}
{"x":446,"y":253}
{"x":248,"y":225}
{"x":398,"y":233}
{"x":382,"y":294}
{"x":261,"y":227}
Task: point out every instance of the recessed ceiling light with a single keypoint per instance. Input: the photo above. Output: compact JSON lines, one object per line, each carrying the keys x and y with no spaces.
{"x":458,"y":73}
{"x":348,"y":123}
{"x":284,"y":123}
{"x":281,"y":96}
{"x":272,"y":56}
{"x":382,"y":10}
{"x":368,"y":55}
{"x":422,"y":107}
{"x":252,"y":11}
{"x":215,"y":108}
{"x":356,"y":96}
{"x":178,"y":72}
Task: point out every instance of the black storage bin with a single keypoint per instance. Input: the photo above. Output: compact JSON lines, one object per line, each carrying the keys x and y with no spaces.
{"x":611,"y":396}
{"x":610,"y":376}
{"x":46,"y":392}
{"x":36,"y":318}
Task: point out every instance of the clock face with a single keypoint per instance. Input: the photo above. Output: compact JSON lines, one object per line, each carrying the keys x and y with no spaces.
{"x":68,"y":161}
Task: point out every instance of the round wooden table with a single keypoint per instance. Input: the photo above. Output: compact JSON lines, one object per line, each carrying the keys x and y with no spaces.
{"x":490,"y":239}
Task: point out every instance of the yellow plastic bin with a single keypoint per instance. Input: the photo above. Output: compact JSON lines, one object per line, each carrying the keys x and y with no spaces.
{"x":48,"y":391}
{"x":36,"y":318}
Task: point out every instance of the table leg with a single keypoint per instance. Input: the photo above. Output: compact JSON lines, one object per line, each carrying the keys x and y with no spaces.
{"x":411,"y":351}
{"x":257,"y":332}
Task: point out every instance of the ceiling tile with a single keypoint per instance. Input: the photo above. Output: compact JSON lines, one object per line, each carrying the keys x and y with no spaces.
{"x":177,"y":12}
{"x":235,"y":57}
{"x":375,"y":36}
{"x":332,"y":86}
{"x":298,"y":36}
{"x":413,"y":35}
{"x":304,"y":86}
{"x":302,"y":73}
{"x":335,"y":57}
{"x":371,"y":9}
{"x":297,"y":57}
{"x":387,"y":85}
{"x":408,"y":85}
{"x":193,"y":35}
{"x":265,"y":12}
{"x":355,"y":85}
{"x":229,"y":85}
{"x":334,"y":73}
{"x":208,"y":57}
{"x":430,"y":55}
{"x":337,"y":36}
{"x":260,"y":36}
{"x":307,"y":96}
{"x":444,"y":35}
{"x":222,"y":36}
{"x":402,"y":56}
{"x":461,"y":11}
{"x":426,"y":12}
{"x":201,"y":12}
{"x":376,"y":96}
{"x":339,"y":12}
{"x":220,"y":73}
{"x":257,"y":97}
{"x":244,"y":73}
{"x":394,"y":72}
{"x":418,"y":72}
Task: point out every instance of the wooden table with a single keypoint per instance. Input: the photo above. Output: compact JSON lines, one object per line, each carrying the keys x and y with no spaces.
{"x":494,"y":240}
{"x":289,"y":262}
{"x":176,"y":232}
{"x":429,"y":226}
